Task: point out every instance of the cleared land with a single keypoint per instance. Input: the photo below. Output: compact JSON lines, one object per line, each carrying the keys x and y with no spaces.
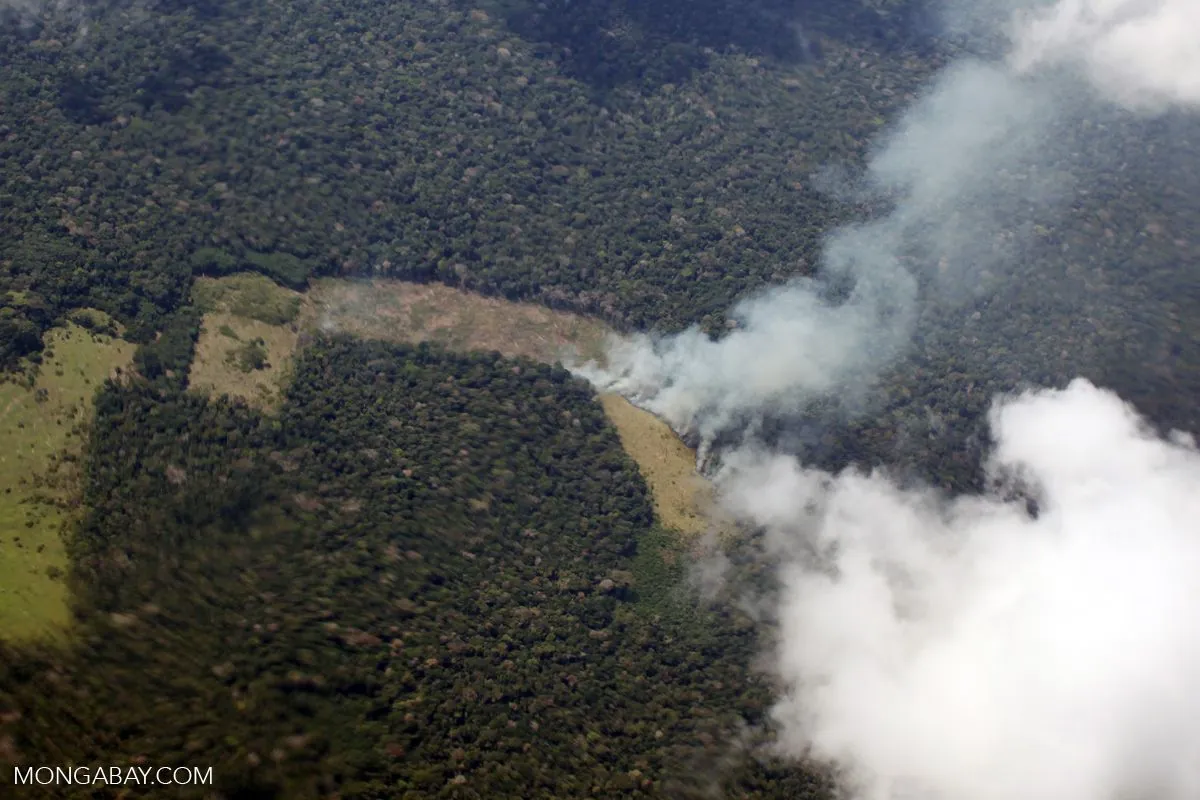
{"x":682,"y":498}
{"x":220,"y":365}
{"x":245,"y":314}
{"x":411,"y":312}
{"x":244,"y":309}
{"x":41,"y":435}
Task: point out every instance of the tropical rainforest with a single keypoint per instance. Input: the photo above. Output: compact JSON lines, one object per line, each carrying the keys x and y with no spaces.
{"x":436,"y":573}
{"x":428,"y":574}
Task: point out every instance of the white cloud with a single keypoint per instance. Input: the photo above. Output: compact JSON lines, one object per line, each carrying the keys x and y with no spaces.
{"x":959,"y":648}
{"x":956,"y":648}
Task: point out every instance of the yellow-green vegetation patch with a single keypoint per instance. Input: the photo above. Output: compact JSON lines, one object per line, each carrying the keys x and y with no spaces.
{"x":413,"y":312}
{"x":683,"y":499}
{"x":247,"y":337}
{"x":243,"y":357}
{"x":41,"y":438}
{"x":252,"y":326}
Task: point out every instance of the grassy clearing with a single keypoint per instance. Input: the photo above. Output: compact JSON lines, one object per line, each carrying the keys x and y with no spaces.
{"x":247,"y":338}
{"x":41,"y":435}
{"x":224,"y":361}
{"x":242,"y":310}
{"x":682,"y":498}
{"x":458,"y":320}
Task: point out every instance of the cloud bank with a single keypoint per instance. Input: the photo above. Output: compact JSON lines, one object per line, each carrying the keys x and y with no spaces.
{"x":951,"y":648}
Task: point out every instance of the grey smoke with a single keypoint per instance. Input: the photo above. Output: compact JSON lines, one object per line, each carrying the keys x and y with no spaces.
{"x":962,"y":158}
{"x":972,"y":155}
{"x":944,"y":648}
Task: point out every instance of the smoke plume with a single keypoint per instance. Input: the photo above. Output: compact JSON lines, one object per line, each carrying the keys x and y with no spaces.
{"x":960,"y":160}
{"x":1144,"y":54}
{"x":963,"y":168}
{"x":973,"y":647}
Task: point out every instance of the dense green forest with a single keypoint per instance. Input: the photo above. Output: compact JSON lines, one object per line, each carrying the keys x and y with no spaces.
{"x":647,"y":163}
{"x":427,"y":574}
{"x":431,"y":574}
{"x":423,"y":140}
{"x":438,"y":575}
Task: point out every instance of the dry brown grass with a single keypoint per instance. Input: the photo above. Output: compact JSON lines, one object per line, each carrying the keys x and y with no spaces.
{"x":683,"y":499}
{"x":397,"y":311}
{"x":410,"y":312}
{"x":213,"y":371}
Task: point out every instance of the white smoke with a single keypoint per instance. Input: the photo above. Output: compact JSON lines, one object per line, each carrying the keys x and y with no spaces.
{"x":1144,"y":54}
{"x":951,"y":648}
{"x":790,"y":342}
{"x":958,"y":158}
{"x":966,"y":155}
{"x":957,"y":648}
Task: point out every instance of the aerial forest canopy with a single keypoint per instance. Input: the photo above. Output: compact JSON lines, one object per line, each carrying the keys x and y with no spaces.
{"x":645,"y":163}
{"x":144,"y":145}
{"x":422,"y":572}
{"x":427,"y":566}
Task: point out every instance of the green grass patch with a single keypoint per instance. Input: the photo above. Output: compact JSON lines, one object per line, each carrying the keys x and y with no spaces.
{"x":41,"y":436}
{"x":248,"y":295}
{"x":94,"y":320}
